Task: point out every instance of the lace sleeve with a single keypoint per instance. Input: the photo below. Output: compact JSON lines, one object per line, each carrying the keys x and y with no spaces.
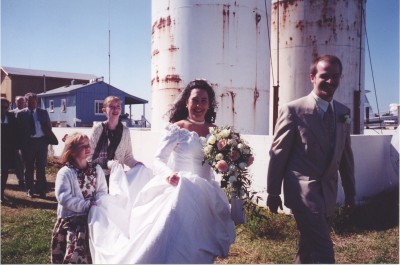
{"x":169,"y":139}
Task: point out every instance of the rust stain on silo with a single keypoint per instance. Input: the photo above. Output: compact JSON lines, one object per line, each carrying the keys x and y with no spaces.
{"x":161,"y":23}
{"x":172,"y":78}
{"x":233,"y":100}
{"x":225,"y":24}
{"x":300,"y":25}
{"x":155,"y":52}
{"x":164,"y":22}
{"x":173,"y":48}
{"x":155,"y":79}
{"x":258,"y":18}
{"x":256,"y":96}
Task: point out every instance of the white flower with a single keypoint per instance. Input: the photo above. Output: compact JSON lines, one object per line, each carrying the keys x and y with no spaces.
{"x":219,"y":156}
{"x":347,"y":119}
{"x":225,"y":133}
{"x":240,"y":146}
{"x":208,"y":149}
{"x":212,"y":139}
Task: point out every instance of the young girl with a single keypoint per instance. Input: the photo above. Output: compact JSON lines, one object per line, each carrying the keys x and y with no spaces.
{"x":78,"y":185}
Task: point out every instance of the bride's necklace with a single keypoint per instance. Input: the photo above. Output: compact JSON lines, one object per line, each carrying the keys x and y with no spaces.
{"x":195,"y":122}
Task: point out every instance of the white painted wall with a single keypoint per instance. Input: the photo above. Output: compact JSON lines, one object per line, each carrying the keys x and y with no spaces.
{"x":375,"y":171}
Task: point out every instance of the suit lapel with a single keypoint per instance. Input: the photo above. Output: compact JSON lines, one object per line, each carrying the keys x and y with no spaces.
{"x":339,"y":126}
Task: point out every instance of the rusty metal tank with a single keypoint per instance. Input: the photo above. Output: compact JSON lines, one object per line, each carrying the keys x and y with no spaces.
{"x":224,"y":42}
{"x":308,"y":28}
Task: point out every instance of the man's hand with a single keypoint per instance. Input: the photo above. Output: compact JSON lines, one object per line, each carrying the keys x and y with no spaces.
{"x":349,"y":204}
{"x":273,"y":202}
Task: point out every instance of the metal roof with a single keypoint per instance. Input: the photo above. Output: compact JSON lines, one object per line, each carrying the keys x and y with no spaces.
{"x":129,"y":99}
{"x":32,"y":72}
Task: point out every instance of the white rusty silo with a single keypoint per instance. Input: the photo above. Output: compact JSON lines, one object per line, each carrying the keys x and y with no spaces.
{"x":308,"y":28}
{"x":223,"y":41}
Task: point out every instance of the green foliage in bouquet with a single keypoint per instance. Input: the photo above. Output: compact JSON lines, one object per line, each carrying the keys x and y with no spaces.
{"x":230,"y":155}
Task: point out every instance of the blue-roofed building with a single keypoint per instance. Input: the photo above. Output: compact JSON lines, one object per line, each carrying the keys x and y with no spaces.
{"x":81,"y":105}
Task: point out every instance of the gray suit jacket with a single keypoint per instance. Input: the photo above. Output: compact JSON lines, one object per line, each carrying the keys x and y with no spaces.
{"x":301,"y":157}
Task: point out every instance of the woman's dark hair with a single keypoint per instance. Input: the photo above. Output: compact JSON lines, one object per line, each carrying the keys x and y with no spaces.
{"x":180,"y":112}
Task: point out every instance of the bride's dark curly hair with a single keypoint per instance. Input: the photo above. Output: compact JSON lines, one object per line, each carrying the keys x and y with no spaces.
{"x":180,"y":112}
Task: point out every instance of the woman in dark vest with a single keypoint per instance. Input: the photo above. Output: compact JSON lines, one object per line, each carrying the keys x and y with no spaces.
{"x":111,"y":140}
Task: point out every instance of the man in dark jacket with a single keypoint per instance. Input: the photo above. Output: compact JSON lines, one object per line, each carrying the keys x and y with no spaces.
{"x":34,"y":126}
{"x":8,"y":142}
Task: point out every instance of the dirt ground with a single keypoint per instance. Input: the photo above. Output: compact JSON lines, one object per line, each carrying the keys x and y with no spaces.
{"x":16,"y":197}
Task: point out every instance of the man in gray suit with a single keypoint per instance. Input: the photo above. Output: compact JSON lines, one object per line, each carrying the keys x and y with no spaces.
{"x":34,"y":125}
{"x":311,"y":144}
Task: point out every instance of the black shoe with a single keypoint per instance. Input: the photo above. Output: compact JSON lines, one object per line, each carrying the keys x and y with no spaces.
{"x":42,"y":195}
{"x":21,"y":183}
{"x":30,"y":194}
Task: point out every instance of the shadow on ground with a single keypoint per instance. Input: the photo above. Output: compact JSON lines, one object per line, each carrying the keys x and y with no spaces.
{"x":379,"y":212}
{"x":16,"y":197}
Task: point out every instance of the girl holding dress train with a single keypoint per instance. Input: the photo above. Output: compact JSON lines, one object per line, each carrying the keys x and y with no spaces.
{"x":79,"y":184}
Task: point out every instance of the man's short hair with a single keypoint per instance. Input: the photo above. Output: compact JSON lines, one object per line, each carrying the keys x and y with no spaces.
{"x":326,"y":58}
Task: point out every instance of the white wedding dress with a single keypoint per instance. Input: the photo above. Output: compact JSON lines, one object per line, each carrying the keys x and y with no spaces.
{"x":147,"y":220}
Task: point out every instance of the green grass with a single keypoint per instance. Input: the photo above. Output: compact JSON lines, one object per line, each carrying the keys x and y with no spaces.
{"x":25,"y":236}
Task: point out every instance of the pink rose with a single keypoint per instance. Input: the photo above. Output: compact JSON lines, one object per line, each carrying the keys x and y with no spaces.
{"x":234,"y":155}
{"x":221,"y":144}
{"x":222,"y":166}
{"x":250,"y":160}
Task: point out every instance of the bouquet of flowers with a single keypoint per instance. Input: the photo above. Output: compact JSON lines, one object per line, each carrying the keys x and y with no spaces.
{"x":229,"y":155}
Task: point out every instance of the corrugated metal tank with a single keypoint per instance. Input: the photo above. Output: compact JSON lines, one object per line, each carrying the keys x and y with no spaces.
{"x":225,"y":42}
{"x":308,"y":28}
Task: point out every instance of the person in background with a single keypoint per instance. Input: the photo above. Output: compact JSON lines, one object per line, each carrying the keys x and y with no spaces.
{"x":8,"y":142}
{"x":79,"y":184}
{"x":33,"y":127}
{"x":20,"y":104}
{"x":111,"y":140}
{"x":311,"y":144}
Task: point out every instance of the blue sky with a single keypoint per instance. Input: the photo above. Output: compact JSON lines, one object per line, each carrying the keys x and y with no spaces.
{"x":72,"y":36}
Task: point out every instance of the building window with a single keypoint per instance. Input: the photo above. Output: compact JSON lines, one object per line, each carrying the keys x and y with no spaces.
{"x":98,"y":106}
{"x":63,"y":105}
{"x":51,"y":105}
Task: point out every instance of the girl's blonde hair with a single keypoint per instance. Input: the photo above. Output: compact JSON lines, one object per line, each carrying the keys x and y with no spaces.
{"x":110,"y":99}
{"x":72,"y":143}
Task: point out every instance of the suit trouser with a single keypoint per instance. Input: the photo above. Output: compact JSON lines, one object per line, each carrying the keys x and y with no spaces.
{"x":315,"y":245}
{"x":19,"y":165}
{"x":35,"y":154}
{"x":5,"y":165}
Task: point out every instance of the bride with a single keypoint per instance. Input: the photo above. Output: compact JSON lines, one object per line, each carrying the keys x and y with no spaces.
{"x":180,"y":215}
